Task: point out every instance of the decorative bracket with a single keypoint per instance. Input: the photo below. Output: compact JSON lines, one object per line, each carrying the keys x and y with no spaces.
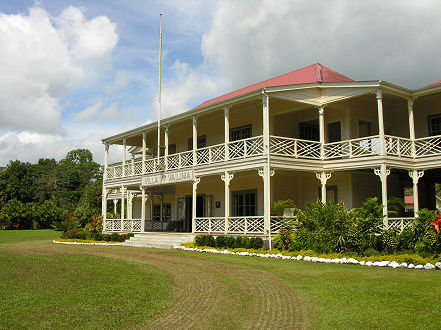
{"x":323,"y":177}
{"x":195,"y":120}
{"x":196,"y":181}
{"x":227,"y":177}
{"x":416,"y":175}
{"x":227,"y":110}
{"x":378,"y":171}
{"x":261,"y":172}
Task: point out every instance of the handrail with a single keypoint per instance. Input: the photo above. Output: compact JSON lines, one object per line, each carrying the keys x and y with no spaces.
{"x":281,"y":146}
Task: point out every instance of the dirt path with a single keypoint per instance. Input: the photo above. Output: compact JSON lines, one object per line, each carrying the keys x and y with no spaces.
{"x":211,"y":293}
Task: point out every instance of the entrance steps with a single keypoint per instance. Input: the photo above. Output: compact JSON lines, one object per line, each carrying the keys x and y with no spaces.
{"x":159,"y":240}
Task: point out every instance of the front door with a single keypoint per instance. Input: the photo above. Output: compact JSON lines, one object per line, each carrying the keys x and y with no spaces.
{"x":334,"y":132}
{"x":200,"y":210}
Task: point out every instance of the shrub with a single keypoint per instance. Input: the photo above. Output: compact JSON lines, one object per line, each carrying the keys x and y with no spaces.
{"x":107,"y":237}
{"x":371,"y":252}
{"x":71,"y":233}
{"x":221,"y":242}
{"x":256,"y":243}
{"x":391,"y":240}
{"x":230,"y":241}
{"x":278,"y":207}
{"x":114,"y":237}
{"x":205,"y":240}
{"x":84,"y":213}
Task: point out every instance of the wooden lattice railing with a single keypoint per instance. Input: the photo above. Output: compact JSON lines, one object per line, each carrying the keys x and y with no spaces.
{"x":119,"y":225}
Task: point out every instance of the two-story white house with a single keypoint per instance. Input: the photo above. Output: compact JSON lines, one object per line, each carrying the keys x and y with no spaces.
{"x":308,"y":134}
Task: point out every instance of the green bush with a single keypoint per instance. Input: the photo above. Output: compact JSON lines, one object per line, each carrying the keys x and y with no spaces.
{"x":221,"y":242}
{"x":371,"y":252}
{"x":391,"y":240}
{"x":114,"y":237}
{"x":230,"y":241}
{"x":72,"y":233}
{"x":205,"y":240}
{"x":256,"y":243}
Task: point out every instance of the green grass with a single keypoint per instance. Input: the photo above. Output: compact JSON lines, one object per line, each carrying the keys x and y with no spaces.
{"x":348,"y":296}
{"x":21,"y":236}
{"x":78,"y":291}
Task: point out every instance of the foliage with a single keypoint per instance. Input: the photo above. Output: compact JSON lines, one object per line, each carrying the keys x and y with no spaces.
{"x":205,"y":240}
{"x":45,"y":190}
{"x":279,"y":206}
{"x":67,"y":222}
{"x":96,"y":224}
{"x":16,"y":215}
{"x":256,"y":243}
{"x":84,"y":213}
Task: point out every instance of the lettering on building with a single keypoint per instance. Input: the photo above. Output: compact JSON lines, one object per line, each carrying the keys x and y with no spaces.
{"x":167,"y":178}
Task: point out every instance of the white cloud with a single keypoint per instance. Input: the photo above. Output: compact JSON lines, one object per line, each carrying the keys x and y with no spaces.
{"x":122,"y":78}
{"x":188,"y":86}
{"x":41,"y":61}
{"x":29,"y":146}
{"x":110,"y":112}
{"x":88,"y":112}
{"x":395,"y":41}
{"x":88,"y":40}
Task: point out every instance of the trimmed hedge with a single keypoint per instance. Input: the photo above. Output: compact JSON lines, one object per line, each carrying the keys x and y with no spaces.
{"x":229,"y":242}
{"x":95,"y":236}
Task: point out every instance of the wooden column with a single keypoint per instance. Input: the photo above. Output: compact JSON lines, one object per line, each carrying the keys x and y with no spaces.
{"x":383,"y":173}
{"x":166,"y":147}
{"x":411,"y":124}
{"x":195,"y":139}
{"x":321,"y":114}
{"x":323,"y":177}
{"x":142,"y":209}
{"x":381,"y":122}
{"x":124,"y":158}
{"x":144,"y":147}
{"x":415,"y":175}
{"x":227,"y":131}
{"x":106,"y":160}
{"x":227,"y":177}
{"x":194,"y":197}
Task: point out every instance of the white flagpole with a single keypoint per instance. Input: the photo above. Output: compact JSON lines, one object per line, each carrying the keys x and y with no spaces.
{"x":159,"y":96}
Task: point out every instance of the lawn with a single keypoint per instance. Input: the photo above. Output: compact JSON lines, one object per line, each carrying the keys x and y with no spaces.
{"x":20,"y":236}
{"x":43,"y":285}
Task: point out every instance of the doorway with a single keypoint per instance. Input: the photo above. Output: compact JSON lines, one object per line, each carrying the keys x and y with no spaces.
{"x":188,"y":210}
{"x":334,"y":132}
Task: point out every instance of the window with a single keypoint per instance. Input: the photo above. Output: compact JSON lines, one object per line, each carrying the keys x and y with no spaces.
{"x":239,"y":133}
{"x":364,"y":128}
{"x":331,"y":193}
{"x":202,"y":142}
{"x":166,"y":212}
{"x":172,"y":149}
{"x":435,"y":124}
{"x":244,"y":203}
{"x":309,"y":130}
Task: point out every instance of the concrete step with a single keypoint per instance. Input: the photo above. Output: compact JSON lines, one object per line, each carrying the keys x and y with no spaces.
{"x":159,"y":240}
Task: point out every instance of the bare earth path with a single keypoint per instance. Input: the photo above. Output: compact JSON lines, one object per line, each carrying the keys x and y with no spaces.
{"x":211,"y":293}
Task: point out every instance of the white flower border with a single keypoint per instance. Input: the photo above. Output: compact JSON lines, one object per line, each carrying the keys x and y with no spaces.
{"x":84,"y":243}
{"x":350,"y":261}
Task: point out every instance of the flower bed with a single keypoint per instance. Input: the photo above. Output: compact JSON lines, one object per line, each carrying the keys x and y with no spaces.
{"x":343,"y":260}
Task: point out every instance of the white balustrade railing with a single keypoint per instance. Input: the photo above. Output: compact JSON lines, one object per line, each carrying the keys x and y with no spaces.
{"x":237,"y":225}
{"x":400,"y":223}
{"x":296,"y":148}
{"x":282,"y":146}
{"x":236,"y":149}
{"x":428,"y":146}
{"x":210,"y":225}
{"x":118,"y":225}
{"x":360,"y":147}
{"x":398,"y":146}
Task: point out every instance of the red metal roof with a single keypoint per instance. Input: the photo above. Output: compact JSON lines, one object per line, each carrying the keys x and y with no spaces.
{"x":309,"y":74}
{"x":435,"y":83}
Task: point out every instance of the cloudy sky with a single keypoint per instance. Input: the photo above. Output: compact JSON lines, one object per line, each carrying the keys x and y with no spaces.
{"x":73,"y":72}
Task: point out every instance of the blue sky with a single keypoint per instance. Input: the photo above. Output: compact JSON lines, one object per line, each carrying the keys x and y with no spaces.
{"x":74,"y":72}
